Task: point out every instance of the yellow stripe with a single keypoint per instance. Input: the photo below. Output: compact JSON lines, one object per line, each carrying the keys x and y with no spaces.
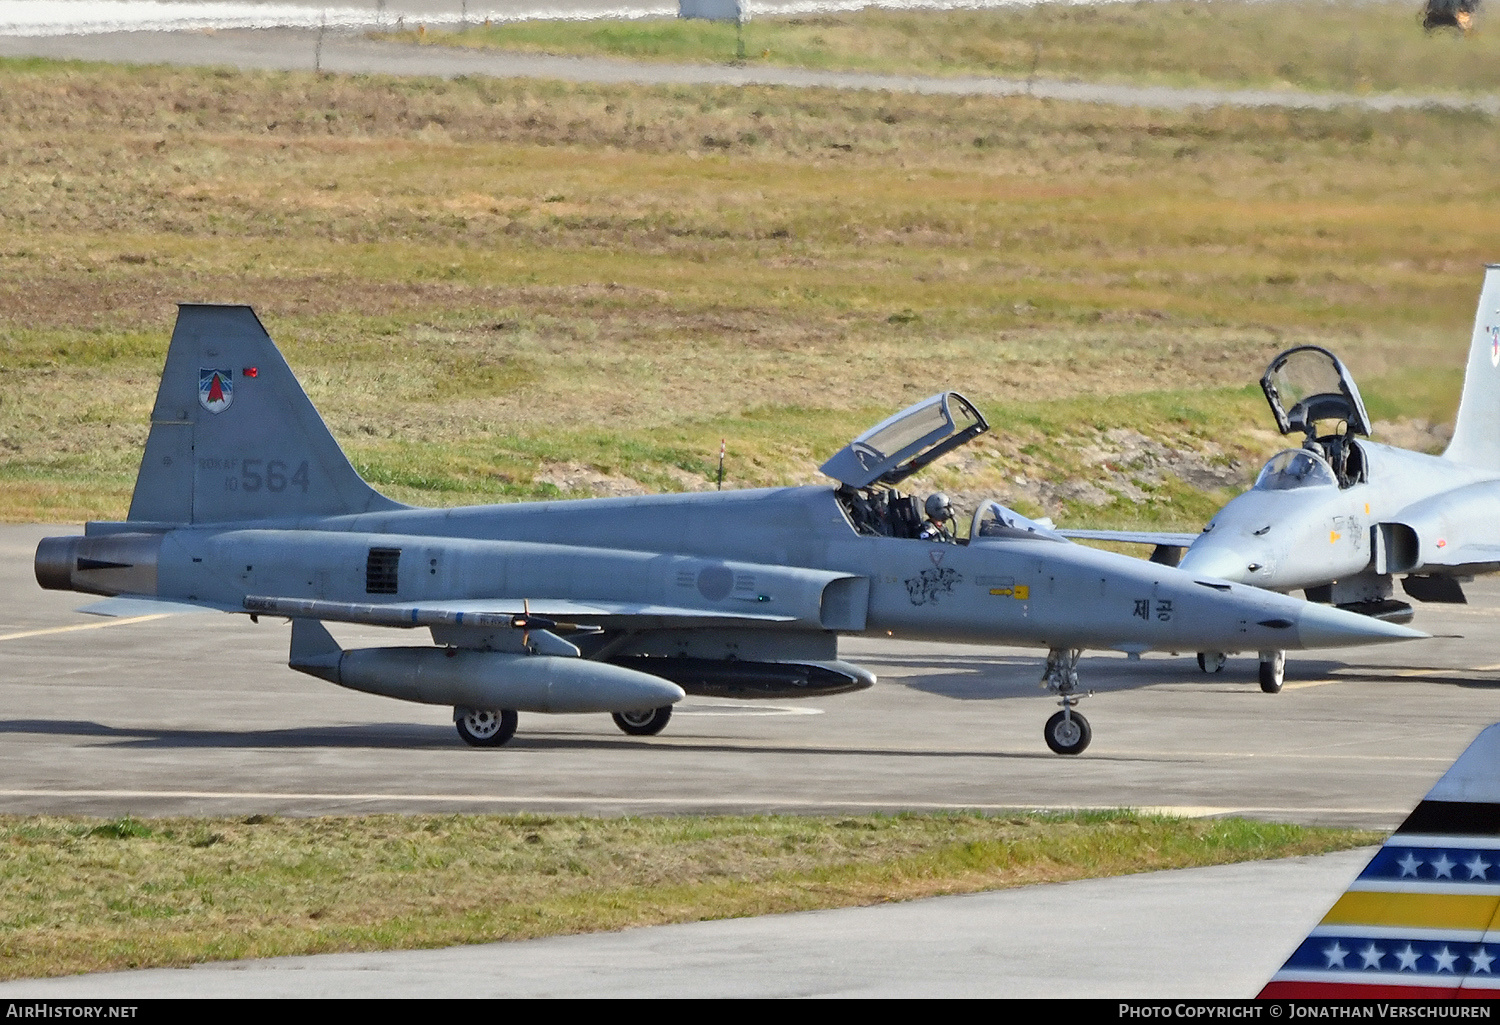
{"x":84,"y":626}
{"x":1418,"y":910}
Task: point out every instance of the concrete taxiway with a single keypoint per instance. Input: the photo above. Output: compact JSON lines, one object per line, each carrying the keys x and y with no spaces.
{"x":1211,"y":933}
{"x":198,"y":714}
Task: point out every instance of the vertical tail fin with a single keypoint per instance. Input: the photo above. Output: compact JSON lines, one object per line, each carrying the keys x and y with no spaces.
{"x":1476,"y":433}
{"x":233,"y":435}
{"x":1423,"y":918}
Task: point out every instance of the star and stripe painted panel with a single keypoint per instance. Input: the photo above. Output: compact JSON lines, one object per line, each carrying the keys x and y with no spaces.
{"x":1422,"y":920}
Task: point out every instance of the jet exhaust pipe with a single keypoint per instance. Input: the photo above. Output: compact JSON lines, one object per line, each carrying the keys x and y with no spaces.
{"x":479,"y":679}
{"x":108,"y":564}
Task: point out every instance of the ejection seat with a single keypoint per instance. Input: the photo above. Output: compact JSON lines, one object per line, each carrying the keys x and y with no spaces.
{"x":1307,"y":387}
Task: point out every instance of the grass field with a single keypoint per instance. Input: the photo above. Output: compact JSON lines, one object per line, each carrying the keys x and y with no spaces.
{"x":1308,"y":44}
{"x":84,"y":895}
{"x":508,"y":289}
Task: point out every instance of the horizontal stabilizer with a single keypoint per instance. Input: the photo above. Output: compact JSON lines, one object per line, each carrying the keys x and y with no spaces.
{"x":1133,"y":537}
{"x":1422,"y":921}
{"x":491,"y":614}
{"x":142,"y":605}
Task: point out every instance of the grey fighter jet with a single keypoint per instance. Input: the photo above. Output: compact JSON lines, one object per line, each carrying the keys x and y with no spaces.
{"x":246,"y":504}
{"x":1341,"y":516}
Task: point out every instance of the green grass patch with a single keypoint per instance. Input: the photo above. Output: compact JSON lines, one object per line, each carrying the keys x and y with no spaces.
{"x":1308,"y":44}
{"x":82,"y":895}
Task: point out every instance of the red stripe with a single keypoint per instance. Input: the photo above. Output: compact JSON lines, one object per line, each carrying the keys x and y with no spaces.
{"x":1290,"y":990}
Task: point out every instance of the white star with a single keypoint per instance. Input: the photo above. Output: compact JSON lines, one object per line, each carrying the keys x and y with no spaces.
{"x":1409,"y":865}
{"x":1477,"y":867}
{"x":1372,"y":955}
{"x":1481,"y":960}
{"x":1408,"y":959}
{"x":1444,"y":959}
{"x":1443,"y":867}
{"x":1335,"y":955}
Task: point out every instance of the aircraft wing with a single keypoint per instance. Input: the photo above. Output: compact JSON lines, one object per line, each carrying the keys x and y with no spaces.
{"x":498,"y":612}
{"x":1481,"y":558}
{"x":1133,"y":537}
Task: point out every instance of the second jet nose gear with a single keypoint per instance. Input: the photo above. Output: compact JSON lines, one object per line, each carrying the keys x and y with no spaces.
{"x":1067,"y":732}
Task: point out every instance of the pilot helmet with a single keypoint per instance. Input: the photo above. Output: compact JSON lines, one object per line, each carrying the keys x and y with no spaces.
{"x":938,"y":507}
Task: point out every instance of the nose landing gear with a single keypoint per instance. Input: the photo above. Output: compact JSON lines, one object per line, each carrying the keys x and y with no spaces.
{"x":1067,"y":732}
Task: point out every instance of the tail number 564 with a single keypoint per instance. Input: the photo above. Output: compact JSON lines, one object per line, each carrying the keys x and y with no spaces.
{"x":273,"y":477}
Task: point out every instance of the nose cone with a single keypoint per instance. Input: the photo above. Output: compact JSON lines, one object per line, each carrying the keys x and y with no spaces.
{"x":1322,"y":626}
{"x":1217,"y":560}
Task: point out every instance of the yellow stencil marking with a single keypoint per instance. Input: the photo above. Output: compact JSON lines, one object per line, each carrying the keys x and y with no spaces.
{"x":84,"y":626}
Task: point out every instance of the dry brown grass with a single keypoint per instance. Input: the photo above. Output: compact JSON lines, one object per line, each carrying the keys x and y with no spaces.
{"x":480,"y":279}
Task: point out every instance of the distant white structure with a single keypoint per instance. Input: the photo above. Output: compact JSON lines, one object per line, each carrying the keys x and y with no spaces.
{"x":713,"y":10}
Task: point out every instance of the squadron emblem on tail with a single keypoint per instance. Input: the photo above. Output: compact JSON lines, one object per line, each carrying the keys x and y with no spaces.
{"x":1423,"y":918}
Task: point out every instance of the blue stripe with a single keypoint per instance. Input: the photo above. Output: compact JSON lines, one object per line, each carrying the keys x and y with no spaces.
{"x":1352,"y":954}
{"x":1443,"y":864}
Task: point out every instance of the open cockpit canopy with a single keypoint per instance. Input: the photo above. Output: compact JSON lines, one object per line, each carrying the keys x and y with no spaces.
{"x":1309,"y":384}
{"x":898,"y":447}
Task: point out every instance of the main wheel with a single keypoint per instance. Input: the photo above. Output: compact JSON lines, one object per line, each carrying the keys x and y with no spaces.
{"x":485,"y":727}
{"x":1068,"y":733}
{"x":1272,"y":671}
{"x":1211,"y":661}
{"x":644,"y":724}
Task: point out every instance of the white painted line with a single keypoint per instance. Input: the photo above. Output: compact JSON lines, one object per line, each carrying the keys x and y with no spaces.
{"x":85,"y":626}
{"x":1183,"y":811}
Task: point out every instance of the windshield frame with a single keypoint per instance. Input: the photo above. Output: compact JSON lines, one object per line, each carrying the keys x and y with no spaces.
{"x":1012,"y":525}
{"x":1318,"y":473}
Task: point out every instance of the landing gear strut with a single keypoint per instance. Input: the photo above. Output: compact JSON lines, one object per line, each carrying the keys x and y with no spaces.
{"x":1067,"y":732}
{"x":1272,"y":671}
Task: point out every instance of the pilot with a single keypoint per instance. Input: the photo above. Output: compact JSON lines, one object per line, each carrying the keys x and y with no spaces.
{"x":939,"y":516}
{"x":1338,"y":453}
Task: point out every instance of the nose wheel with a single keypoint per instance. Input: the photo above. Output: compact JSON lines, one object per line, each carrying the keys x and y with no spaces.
{"x":1067,"y":732}
{"x":1211,"y":661}
{"x":1272,"y":671}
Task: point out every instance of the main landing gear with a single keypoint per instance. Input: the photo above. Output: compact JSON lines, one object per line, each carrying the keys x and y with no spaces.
{"x":644,"y":724}
{"x":1067,"y":732}
{"x":485,"y":727}
{"x":1272,"y":667}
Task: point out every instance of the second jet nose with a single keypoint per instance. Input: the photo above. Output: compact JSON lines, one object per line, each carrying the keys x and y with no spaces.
{"x":1217,"y":560}
{"x":1322,"y":626}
